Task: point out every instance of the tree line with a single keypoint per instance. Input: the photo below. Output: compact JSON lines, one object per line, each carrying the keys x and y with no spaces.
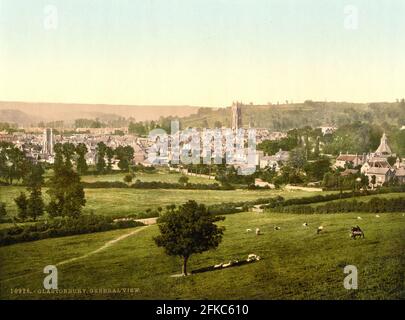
{"x":66,"y":192}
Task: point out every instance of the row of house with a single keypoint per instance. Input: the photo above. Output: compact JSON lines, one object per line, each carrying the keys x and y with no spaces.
{"x":374,"y":165}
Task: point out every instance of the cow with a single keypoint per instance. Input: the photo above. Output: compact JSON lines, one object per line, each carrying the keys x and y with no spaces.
{"x":356,"y":232}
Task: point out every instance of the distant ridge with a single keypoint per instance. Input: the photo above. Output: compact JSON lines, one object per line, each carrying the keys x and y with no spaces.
{"x":33,"y":112}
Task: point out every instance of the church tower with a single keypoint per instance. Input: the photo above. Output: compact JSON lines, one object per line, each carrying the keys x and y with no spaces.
{"x":236,"y":115}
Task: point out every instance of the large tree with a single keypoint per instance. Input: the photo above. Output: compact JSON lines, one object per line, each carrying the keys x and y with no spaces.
{"x":13,"y":163}
{"x":81,"y":164}
{"x":110,"y":156}
{"x":315,"y":170}
{"x":65,"y":187}
{"x":34,"y":181}
{"x":22,"y":205}
{"x":125,"y":156}
{"x":101,"y":153}
{"x":188,"y":230}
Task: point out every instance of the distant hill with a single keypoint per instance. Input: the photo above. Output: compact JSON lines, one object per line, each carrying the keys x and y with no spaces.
{"x":17,"y":116}
{"x":310,"y":113}
{"x":25,"y":113}
{"x":274,"y":117}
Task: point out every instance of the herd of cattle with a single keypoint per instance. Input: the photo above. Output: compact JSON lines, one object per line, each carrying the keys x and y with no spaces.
{"x":354,"y":231}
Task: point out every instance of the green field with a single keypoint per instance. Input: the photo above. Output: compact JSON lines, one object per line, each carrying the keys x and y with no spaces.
{"x":132,"y":201}
{"x":160,"y":175}
{"x":296,"y":262}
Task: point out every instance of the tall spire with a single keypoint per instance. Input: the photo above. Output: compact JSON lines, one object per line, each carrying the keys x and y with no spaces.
{"x":384,"y":148}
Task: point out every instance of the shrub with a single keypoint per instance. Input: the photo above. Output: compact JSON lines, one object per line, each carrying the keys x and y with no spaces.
{"x":60,"y":227}
{"x":375,"y":205}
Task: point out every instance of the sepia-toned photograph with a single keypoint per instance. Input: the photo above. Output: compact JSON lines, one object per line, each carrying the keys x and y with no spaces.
{"x":202,"y":150}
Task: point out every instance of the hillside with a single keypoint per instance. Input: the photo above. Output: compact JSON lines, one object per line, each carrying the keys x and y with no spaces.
{"x":284,"y":117}
{"x":24,"y":113}
{"x":296,"y":262}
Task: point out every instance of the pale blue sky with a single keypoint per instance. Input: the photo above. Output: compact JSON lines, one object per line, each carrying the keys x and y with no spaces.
{"x":201,"y":52}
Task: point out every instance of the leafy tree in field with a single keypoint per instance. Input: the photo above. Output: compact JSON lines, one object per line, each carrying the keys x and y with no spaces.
{"x":13,"y":163}
{"x":355,"y":138}
{"x":35,"y":204}
{"x":110,"y":156}
{"x":125,"y":156}
{"x":81,"y":165}
{"x":66,"y":190}
{"x":188,"y":230}
{"x":289,"y":174}
{"x":183,"y":180}
{"x":3,"y":211}
{"x":330,"y":180}
{"x":317,"y":169}
{"x":101,"y":153}
{"x":35,"y":176}
{"x":22,"y":206}
{"x":58,"y":162}
{"x":34,"y":181}
{"x":68,"y":151}
{"x":297,"y":159}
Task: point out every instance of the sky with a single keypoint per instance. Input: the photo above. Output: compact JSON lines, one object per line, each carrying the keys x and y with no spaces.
{"x":201,"y":52}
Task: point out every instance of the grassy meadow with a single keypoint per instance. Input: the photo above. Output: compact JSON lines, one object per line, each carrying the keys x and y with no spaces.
{"x":296,"y":262}
{"x":124,"y":201}
{"x":159,"y":175}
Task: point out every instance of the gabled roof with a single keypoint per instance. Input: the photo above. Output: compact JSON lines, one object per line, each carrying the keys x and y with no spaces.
{"x":376,"y":170}
{"x":400,"y":172}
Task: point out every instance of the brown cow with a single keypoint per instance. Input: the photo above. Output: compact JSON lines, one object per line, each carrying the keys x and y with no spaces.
{"x":356,"y":232}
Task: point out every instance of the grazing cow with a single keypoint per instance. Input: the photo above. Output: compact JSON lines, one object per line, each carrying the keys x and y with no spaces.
{"x":377,"y":216}
{"x":359,"y":218}
{"x":305,"y":224}
{"x":277,"y":228}
{"x":356,"y":232}
{"x":248,"y":230}
{"x":319,"y":230}
{"x":253,"y":257}
{"x":257,"y":231}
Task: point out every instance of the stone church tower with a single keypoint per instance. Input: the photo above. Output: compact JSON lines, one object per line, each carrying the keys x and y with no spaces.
{"x":236,"y":115}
